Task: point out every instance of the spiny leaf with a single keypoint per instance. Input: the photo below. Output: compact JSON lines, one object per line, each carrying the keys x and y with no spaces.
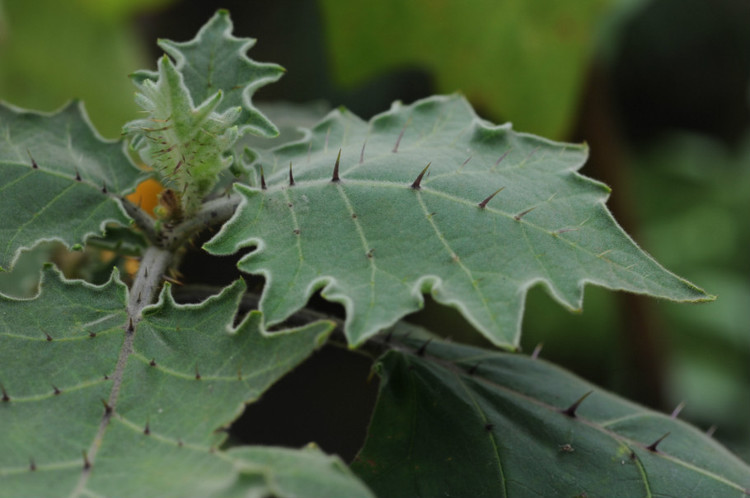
{"x":291,"y":473}
{"x":505,"y":429}
{"x":89,"y":416}
{"x":392,"y":228}
{"x":57,"y":179}
{"x":215,"y":61}
{"x":183,"y":143}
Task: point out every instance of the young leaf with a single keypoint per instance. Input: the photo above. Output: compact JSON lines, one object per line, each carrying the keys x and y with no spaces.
{"x":215,"y":61}
{"x":183,"y":143}
{"x":102,"y":412}
{"x":463,"y":421}
{"x":354,"y":210}
{"x":57,"y":179}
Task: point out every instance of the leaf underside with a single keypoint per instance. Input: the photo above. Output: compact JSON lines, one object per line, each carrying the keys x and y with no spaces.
{"x":57,"y":179}
{"x":503,"y":433}
{"x":374,"y":243}
{"x":189,"y":373}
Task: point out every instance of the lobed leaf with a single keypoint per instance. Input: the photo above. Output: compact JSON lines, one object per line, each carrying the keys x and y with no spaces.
{"x":58,"y":178}
{"x":98,"y":414}
{"x":185,"y":144}
{"x":374,"y":228}
{"x":457,"y":420}
{"x":216,"y":61}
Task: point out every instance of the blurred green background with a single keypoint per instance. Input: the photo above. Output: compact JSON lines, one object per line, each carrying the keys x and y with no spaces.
{"x":659,"y":89}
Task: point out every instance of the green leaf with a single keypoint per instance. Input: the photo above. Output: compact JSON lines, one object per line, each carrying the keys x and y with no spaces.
{"x":183,"y":143}
{"x":463,"y":421}
{"x":41,"y":157}
{"x":143,"y":411}
{"x":523,"y":60}
{"x":374,"y":243}
{"x":286,"y":472}
{"x":215,"y":61}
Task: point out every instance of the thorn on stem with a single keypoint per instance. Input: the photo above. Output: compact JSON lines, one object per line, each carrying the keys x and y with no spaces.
{"x":131,"y":327}
{"x":291,"y":177}
{"x":49,"y":337}
{"x":147,"y":429}
{"x":86,"y":463}
{"x":362,"y":153}
{"x":78,"y":176}
{"x":32,"y":465}
{"x":92,"y":334}
{"x":107,"y":408}
{"x":417,"y":184}
{"x":197,"y":373}
{"x":571,"y":410}
{"x":104,"y":188}
{"x":483,"y":204}
{"x":152,"y":362}
{"x":652,"y":446}
{"x":711,"y":430}
{"x":5,"y":397}
{"x":56,"y":391}
{"x":336,"y":169}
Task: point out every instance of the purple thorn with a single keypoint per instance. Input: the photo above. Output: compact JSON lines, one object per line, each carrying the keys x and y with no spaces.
{"x":483,"y":204}
{"x":537,"y":350}
{"x":336,"y":169}
{"x":362,"y":153}
{"x":416,"y":185}
{"x":34,"y":165}
{"x":400,"y":136}
{"x":500,"y":159}
{"x":262,"y":179}
{"x":423,"y":348}
{"x":652,"y":446}
{"x":523,"y":213}
{"x":571,"y":410}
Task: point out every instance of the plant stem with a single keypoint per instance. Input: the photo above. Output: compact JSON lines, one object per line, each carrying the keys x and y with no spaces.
{"x":145,"y":287}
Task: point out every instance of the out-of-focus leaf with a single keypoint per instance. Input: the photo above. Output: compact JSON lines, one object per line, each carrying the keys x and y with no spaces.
{"x":523,"y":60}
{"x":454,"y":420}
